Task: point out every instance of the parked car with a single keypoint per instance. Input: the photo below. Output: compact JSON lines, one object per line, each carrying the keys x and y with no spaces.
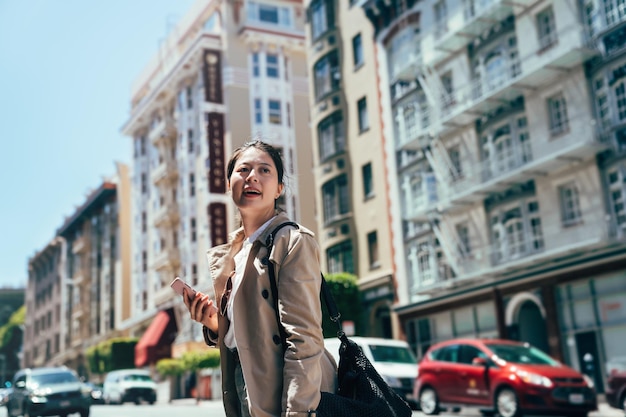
{"x":129,"y":385}
{"x":48,"y":392}
{"x":616,"y":383}
{"x":500,"y":376}
{"x":392,"y":359}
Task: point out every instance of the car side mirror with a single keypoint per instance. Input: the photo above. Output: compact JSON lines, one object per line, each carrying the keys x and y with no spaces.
{"x":480,"y":361}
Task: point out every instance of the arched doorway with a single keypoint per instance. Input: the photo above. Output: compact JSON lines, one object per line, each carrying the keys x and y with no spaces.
{"x":380,"y":319}
{"x":532,"y":326}
{"x":526,"y":320}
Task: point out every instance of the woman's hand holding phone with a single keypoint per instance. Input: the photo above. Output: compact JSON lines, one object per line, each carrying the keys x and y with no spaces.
{"x":201,"y":308}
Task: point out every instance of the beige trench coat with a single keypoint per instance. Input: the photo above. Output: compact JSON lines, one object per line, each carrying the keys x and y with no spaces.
{"x":289,"y":384}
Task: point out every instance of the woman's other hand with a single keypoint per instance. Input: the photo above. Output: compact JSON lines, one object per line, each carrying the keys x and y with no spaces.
{"x":201,"y":309}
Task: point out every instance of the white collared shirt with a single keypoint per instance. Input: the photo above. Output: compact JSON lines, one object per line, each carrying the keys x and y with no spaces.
{"x":241,"y":259}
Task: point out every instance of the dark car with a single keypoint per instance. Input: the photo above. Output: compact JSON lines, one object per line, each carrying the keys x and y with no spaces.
{"x":4,"y":396}
{"x":500,"y":376}
{"x":48,"y":392}
{"x":616,"y":383}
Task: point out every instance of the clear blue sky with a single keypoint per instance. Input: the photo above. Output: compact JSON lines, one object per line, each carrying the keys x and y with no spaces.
{"x":66,"y":68}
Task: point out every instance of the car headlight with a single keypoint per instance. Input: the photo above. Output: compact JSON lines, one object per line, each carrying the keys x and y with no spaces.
{"x":38,"y":396}
{"x":392,"y":381}
{"x":589,"y":381}
{"x":535,"y":379}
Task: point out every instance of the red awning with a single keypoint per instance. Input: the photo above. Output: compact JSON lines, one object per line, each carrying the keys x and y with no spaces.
{"x":156,"y":342}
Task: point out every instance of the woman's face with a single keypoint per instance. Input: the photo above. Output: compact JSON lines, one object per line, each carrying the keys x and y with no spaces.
{"x":254,"y":181}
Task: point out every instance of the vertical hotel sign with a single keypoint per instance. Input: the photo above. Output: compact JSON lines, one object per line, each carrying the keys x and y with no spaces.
{"x":213,"y":76}
{"x":217,"y":173}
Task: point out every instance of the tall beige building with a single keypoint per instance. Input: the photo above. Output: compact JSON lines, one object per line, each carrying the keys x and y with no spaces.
{"x":350,"y":174}
{"x":503,"y":130}
{"x":230,"y":70}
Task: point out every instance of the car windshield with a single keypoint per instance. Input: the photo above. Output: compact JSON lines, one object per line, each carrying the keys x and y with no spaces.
{"x":396,"y":354}
{"x":521,"y":354}
{"x":135,"y":377}
{"x":53,"y":378}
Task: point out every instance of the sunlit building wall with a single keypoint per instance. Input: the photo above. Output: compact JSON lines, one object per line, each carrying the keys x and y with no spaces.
{"x":503,"y":133}
{"x":228,"y":71}
{"x":353,"y":214}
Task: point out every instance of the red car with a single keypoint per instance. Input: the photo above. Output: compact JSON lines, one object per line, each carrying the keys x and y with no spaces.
{"x":616,"y":383}
{"x":500,"y":376}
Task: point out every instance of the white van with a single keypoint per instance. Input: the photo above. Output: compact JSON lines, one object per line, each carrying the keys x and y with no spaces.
{"x":126,"y":385}
{"x":392,"y":359}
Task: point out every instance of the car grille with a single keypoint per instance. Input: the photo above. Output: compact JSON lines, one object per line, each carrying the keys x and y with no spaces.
{"x":140,"y":392}
{"x":59,"y":396}
{"x":562,"y":393}
{"x":568,"y":380}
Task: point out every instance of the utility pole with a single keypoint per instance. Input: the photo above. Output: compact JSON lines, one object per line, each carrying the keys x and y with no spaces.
{"x":3,"y":368}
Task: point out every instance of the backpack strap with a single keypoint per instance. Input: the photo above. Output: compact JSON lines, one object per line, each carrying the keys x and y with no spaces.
{"x":269,"y":242}
{"x":325,"y":289}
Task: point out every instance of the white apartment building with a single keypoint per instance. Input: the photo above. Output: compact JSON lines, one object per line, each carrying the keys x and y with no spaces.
{"x":504,"y":139}
{"x":227,"y":72}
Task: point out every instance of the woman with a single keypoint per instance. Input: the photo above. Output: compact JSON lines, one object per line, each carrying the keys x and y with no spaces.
{"x":259,"y":377}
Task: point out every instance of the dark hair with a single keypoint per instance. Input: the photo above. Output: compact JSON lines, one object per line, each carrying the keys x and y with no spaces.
{"x":272,"y":151}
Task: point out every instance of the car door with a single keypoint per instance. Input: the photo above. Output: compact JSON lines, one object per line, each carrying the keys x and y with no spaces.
{"x":444,"y":370}
{"x":471,"y":384}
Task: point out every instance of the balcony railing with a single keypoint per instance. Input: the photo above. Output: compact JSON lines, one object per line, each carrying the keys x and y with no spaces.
{"x":538,"y":68}
{"x":167,"y":215}
{"x":79,"y":245}
{"x":168,"y":259}
{"x":166,"y":171}
{"x":162,"y":131}
{"x":464,"y":24}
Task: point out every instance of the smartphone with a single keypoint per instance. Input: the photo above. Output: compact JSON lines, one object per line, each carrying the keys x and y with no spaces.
{"x":178,"y":285}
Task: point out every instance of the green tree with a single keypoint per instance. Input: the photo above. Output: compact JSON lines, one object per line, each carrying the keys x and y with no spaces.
{"x":345,"y":291}
{"x":170,"y":367}
{"x":11,"y":336}
{"x":204,"y":359}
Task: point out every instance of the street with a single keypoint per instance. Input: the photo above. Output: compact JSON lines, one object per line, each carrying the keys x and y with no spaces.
{"x":189,"y":408}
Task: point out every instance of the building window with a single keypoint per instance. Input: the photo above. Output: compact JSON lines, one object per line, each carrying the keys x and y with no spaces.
{"x":258,"y":111}
{"x":441,"y":18}
{"x":274,"y":112}
{"x":322,"y":17}
{"x":142,"y":141}
{"x":357,"y":50}
{"x":189,"y":97}
{"x":456,"y":170}
{"x":190,"y":140}
{"x":465,"y":247}
{"x":327,"y":75}
{"x":144,"y":185}
{"x":617,"y":192}
{"x":331,"y":136}
{"x":620,"y":99}
{"x":194,"y":274}
{"x":271,"y":63}
{"x":372,"y":247}
{"x":340,"y":258}
{"x":603,"y":109}
{"x":269,"y":14}
{"x":368,"y":181}
{"x":144,"y":222}
{"x":546,"y":28}
{"x":255,"y":65}
{"x":570,"y":205}
{"x":336,"y":198}
{"x":192,"y":185}
{"x":557,"y":109}
{"x":516,"y":232}
{"x":364,"y":123}
{"x":144,"y":261}
{"x":193,"y":229}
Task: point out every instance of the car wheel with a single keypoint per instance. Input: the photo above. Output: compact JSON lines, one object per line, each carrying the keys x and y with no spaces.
{"x":84,"y":413}
{"x":507,"y":404}
{"x":429,"y":403}
{"x":623,"y":402}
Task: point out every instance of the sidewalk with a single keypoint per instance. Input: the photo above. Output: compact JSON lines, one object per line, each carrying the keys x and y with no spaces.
{"x":194,"y":402}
